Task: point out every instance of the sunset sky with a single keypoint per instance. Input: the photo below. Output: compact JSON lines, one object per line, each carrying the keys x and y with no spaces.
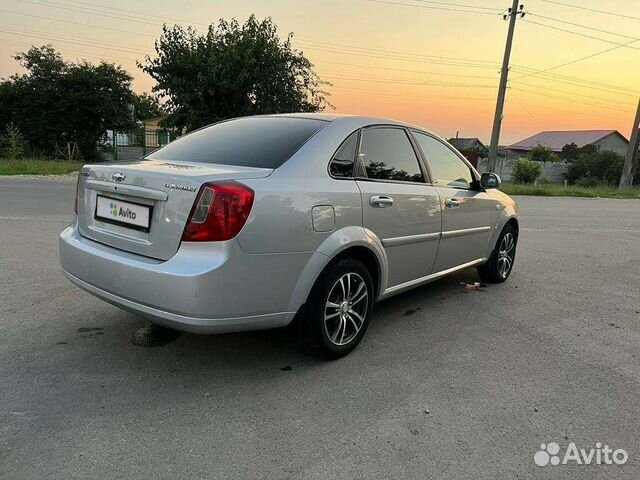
{"x":433,"y":63}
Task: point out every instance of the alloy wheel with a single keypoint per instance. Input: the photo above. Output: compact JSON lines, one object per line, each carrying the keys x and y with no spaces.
{"x":346,"y":308}
{"x":506,"y":254}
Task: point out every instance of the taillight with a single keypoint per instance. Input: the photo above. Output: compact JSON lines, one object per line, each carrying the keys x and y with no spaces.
{"x":75,"y":208}
{"x":219,"y":212}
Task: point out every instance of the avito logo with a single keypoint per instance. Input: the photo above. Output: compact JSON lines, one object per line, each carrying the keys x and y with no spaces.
{"x":121,"y":212}
{"x":550,"y":454}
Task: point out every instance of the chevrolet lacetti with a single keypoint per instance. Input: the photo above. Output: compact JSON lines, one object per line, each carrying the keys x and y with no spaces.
{"x":249,"y":223}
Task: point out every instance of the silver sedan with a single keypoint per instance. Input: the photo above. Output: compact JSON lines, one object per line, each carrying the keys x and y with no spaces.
{"x":252,"y":222}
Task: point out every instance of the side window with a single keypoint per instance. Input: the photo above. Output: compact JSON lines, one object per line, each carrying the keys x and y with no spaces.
{"x":447,"y":169}
{"x":343,"y":161}
{"x":387,"y":154}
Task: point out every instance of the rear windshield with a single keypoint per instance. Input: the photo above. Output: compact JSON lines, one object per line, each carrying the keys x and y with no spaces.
{"x":265,"y":142}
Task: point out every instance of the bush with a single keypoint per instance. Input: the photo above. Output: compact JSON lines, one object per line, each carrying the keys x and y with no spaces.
{"x":602,"y":166}
{"x":12,"y":144}
{"x":526,"y":171}
{"x":587,"y":182}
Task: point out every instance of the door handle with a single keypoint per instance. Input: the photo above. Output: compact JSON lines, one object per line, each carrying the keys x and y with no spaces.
{"x":451,"y":203}
{"x":380,"y":201}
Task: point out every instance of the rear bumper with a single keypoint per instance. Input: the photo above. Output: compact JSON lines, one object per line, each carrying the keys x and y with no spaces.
{"x":203,"y":288}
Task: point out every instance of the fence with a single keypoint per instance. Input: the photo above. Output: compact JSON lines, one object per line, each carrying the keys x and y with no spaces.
{"x":132,"y":144}
{"x":552,"y":171}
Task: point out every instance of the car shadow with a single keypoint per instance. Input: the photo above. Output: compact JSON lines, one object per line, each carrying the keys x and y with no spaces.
{"x":282,"y":348}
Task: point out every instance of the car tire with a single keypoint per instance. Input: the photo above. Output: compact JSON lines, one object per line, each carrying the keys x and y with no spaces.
{"x":339,"y":307}
{"x":500,"y":264}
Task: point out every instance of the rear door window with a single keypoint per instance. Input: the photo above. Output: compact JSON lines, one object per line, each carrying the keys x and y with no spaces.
{"x":265,"y":142}
{"x":387,"y":154}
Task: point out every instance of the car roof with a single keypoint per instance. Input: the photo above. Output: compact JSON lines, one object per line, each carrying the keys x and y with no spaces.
{"x":363,"y":120}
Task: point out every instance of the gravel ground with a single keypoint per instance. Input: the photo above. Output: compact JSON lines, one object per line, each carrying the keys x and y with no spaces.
{"x":448,"y":382}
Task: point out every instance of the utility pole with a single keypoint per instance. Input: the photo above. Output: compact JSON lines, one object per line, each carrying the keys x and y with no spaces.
{"x":512,"y":14}
{"x":626,"y":179}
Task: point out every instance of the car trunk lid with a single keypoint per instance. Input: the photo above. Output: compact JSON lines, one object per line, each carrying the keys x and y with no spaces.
{"x":142,"y":206}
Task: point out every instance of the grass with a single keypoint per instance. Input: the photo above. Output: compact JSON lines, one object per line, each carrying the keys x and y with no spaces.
{"x":555,"y":190}
{"x":37,"y":167}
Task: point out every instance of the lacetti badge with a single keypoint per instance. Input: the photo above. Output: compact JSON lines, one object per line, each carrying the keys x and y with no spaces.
{"x":175,"y":186}
{"x":118,"y":212}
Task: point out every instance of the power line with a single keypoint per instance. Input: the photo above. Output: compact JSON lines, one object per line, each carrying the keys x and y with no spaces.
{"x":580,"y":25}
{"x":606,"y":88}
{"x":599,"y":105}
{"x":544,"y":74}
{"x":143,"y":14}
{"x":582,"y":34}
{"x":598,"y":89}
{"x":434,"y":7}
{"x":575,"y":81}
{"x":554,"y":109}
{"x":571,"y":62}
{"x":343,"y":76}
{"x":87,"y":11}
{"x":71,"y":40}
{"x":384,"y":54}
{"x":447,"y":74}
{"x":326,"y":43}
{"x":400,"y":52}
{"x":79,"y":23}
{"x":580,"y":7}
{"x":395,"y":94}
{"x":78,"y":53}
{"x":570,"y":93}
{"x":570,"y":80}
{"x":140,"y":18}
{"x":398,"y":58}
{"x":493,"y":9}
{"x":533,"y":117}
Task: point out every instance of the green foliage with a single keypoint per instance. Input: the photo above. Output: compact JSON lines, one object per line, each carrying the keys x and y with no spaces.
{"x":146,"y":106}
{"x":231,"y":70}
{"x":587,"y":182}
{"x":526,"y":171}
{"x":542,"y":154}
{"x":57,"y":103}
{"x":12,"y":144}
{"x":570,"y":152}
{"x":601,"y":166}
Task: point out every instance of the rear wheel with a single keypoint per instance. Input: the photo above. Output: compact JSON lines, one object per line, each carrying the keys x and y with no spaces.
{"x":500,"y":263}
{"x":339,"y":308}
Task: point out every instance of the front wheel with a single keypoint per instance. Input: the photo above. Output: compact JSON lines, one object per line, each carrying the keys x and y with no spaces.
{"x":500,"y":263}
{"x":339,"y":308}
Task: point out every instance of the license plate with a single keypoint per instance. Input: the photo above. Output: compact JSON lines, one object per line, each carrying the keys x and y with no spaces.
{"x":119,"y":212}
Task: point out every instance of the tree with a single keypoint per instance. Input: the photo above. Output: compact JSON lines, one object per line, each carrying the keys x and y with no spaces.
{"x":146,"y":106}
{"x":570,"y":152}
{"x":596,"y":166}
{"x":231,"y":71}
{"x":57,"y":102}
{"x":542,"y":154}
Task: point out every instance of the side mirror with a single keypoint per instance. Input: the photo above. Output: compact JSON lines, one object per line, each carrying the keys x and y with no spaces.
{"x":490,"y":180}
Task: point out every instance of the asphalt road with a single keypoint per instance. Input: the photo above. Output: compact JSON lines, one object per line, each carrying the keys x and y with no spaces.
{"x":550,"y":356}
